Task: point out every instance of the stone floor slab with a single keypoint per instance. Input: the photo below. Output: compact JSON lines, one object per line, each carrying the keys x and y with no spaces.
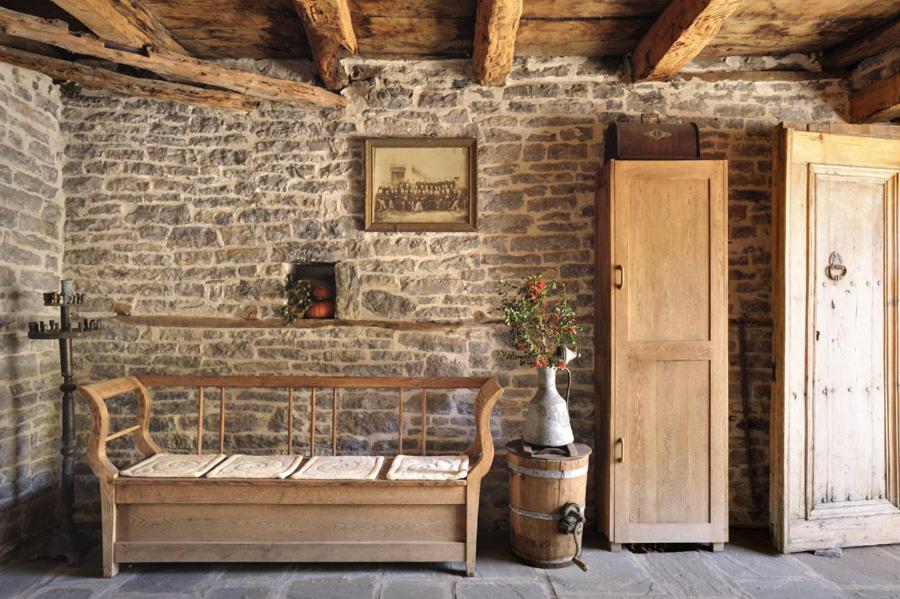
{"x":333,"y":588}
{"x":782,"y":588}
{"x":416,"y":588}
{"x":615,"y":574}
{"x":750,"y":555}
{"x":870,"y":567}
{"x":687,"y":574}
{"x":502,"y":589}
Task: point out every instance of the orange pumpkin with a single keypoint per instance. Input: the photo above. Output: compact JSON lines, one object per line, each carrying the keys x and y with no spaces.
{"x":321,"y":310}
{"x":321,"y":292}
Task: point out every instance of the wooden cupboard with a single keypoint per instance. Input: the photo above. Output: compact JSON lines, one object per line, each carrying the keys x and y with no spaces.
{"x":661,"y":361}
{"x":835,"y":420}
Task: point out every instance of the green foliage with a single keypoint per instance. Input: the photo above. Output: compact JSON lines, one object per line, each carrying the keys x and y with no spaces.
{"x":539,"y":326}
{"x":299,"y":298}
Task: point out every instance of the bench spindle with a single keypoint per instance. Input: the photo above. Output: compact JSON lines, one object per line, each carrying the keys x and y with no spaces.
{"x":400,"y":421}
{"x":221,"y":419}
{"x":334,"y":421}
{"x":312,"y":423}
{"x":424,"y":419}
{"x":200,"y":421}
{"x":290,"y":420}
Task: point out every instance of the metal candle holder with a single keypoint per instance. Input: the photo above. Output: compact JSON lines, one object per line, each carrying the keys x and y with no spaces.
{"x":63,"y":541}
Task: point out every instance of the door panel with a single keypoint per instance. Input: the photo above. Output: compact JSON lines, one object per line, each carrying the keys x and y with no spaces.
{"x":834,"y":408}
{"x":670,"y":397}
{"x":848,"y":395}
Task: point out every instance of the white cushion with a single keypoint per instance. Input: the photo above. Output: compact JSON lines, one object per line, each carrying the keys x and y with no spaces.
{"x":431,"y":467}
{"x":172,"y":465}
{"x":341,"y":468}
{"x":256,"y":466}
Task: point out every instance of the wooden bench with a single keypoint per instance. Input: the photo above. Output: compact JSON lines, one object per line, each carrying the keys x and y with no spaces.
{"x":285,"y":520}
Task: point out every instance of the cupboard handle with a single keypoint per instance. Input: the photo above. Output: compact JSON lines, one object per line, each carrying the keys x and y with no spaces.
{"x":620,"y":271}
{"x":620,"y":453}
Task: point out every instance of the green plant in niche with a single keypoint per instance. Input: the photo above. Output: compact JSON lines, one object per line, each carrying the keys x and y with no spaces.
{"x":299,"y":298}
{"x":539,"y":326}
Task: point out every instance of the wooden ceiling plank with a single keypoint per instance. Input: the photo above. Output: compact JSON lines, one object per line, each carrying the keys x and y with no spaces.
{"x":874,"y":42}
{"x":331,"y":37}
{"x":879,"y":102}
{"x":124,"y":22}
{"x":681,"y":32}
{"x":167,"y":63}
{"x":133,"y":86}
{"x":496,"y":28}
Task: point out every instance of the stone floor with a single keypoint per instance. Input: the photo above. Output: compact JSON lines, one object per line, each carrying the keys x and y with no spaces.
{"x":747,"y":568}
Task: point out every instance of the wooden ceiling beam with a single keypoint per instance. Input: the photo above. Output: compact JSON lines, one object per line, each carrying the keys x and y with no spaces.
{"x":879,"y":102}
{"x":165,"y":63}
{"x":496,"y":28}
{"x":329,"y":31}
{"x":124,"y":22}
{"x":871,"y":43}
{"x":681,"y":32}
{"x":132,"y":86}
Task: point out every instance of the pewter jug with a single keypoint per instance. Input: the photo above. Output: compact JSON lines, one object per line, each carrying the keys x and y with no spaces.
{"x":547,"y":423}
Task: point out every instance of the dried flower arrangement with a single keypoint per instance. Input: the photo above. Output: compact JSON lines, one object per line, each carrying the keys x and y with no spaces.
{"x":539,"y":325}
{"x":299,"y":298}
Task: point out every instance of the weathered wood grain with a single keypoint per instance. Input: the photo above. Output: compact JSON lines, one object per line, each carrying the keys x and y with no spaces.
{"x":125,"y":22}
{"x":496,"y":26}
{"x":168,"y":63}
{"x":869,"y":44}
{"x":331,"y":37}
{"x":680,"y":33}
{"x":125,"y":84}
{"x":879,"y":101}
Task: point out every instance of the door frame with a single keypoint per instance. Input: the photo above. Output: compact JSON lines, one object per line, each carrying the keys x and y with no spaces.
{"x":794,"y":152}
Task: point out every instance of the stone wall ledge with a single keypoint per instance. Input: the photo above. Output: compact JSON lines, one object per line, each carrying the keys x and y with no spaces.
{"x":215,"y":322}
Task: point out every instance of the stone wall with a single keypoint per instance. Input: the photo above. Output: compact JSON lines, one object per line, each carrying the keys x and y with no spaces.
{"x":31,"y":219}
{"x":192,"y":212}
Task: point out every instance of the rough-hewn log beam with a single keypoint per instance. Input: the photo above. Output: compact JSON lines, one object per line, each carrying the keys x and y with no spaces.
{"x":496,"y":27}
{"x":167,"y":63}
{"x":331,"y":37}
{"x":125,"y":84}
{"x":681,"y":32}
{"x":879,"y":102}
{"x":125,"y":22}
{"x":869,"y":44}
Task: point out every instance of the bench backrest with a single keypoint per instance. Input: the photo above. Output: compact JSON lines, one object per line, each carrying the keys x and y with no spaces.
{"x":480,"y":451}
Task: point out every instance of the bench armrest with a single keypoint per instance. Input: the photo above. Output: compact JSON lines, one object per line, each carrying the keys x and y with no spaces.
{"x":96,"y":395}
{"x":481,"y":451}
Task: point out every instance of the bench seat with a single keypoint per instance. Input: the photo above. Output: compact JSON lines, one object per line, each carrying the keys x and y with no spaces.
{"x":249,"y":519}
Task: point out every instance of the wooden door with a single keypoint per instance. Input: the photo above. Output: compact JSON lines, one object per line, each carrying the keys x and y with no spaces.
{"x":670,"y":414}
{"x":834,"y":409}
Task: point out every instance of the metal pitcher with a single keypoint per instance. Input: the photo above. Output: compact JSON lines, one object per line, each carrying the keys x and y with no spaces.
{"x":547,"y":423}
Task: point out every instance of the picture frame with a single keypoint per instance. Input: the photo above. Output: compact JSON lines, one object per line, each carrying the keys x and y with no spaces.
{"x":421,"y":184}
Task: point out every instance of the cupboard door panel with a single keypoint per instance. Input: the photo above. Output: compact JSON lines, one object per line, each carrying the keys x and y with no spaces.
{"x":667,"y":442}
{"x":668,"y":272}
{"x":669,"y":464}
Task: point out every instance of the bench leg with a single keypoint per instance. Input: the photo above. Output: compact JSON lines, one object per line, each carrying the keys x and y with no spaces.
{"x":108,"y":521}
{"x":472,"y":495}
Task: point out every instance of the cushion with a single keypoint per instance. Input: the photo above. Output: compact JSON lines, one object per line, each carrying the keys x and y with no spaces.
{"x":347,"y":467}
{"x":172,"y":465}
{"x":431,"y":467}
{"x":256,"y":466}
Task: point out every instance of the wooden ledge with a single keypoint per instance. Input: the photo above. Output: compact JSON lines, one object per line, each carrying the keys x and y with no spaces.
{"x":215,"y":322}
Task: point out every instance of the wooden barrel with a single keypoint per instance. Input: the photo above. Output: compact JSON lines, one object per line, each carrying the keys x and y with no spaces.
{"x":539,"y":487}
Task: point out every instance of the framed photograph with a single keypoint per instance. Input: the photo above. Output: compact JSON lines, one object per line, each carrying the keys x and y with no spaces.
{"x":421,"y":184}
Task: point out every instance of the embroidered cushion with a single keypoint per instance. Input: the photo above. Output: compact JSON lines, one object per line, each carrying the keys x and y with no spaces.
{"x":256,"y":466}
{"x":174,"y":465}
{"x":432,"y":467}
{"x":341,"y":468}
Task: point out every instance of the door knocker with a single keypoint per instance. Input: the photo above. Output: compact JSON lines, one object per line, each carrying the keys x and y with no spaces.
{"x":835,"y":269}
